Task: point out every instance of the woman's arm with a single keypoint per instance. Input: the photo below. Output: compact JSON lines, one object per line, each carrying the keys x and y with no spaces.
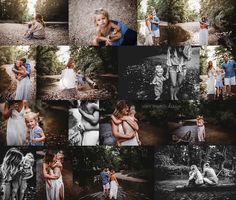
{"x":46,"y":175}
{"x":92,"y":118}
{"x":119,"y":135}
{"x":8,"y":110}
{"x":115,"y":120}
{"x":131,"y":122}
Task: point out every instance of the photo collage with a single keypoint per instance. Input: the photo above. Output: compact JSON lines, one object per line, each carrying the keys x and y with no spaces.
{"x":117,"y":99}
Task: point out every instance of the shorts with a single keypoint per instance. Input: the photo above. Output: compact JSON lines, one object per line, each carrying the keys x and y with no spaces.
{"x":156,"y":33}
{"x":107,"y":186}
{"x":230,"y":81}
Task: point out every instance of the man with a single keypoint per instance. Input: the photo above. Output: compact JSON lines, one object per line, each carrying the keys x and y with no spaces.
{"x":155,"y":28}
{"x":26,"y":65}
{"x":105,"y":181}
{"x":209,"y":175}
{"x":228,"y":66}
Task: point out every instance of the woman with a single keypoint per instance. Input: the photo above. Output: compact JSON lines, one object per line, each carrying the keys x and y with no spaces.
{"x":113,"y":185}
{"x":37,"y":31}
{"x":52,"y":192}
{"x":89,"y":111}
{"x":177,"y":58}
{"x":195,"y":176}
{"x":23,"y":88}
{"x":68,"y":75}
{"x":148,"y":31}
{"x":211,"y":81}
{"x":118,"y":116}
{"x":16,"y":129}
{"x":9,"y":172}
{"x":203,"y":34}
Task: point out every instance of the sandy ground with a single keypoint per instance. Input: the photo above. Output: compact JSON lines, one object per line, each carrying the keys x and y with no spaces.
{"x":13,"y":34}
{"x":81,"y":23}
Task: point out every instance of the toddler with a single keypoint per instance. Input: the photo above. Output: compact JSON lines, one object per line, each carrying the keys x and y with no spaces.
{"x":158,"y":81}
{"x":37,"y":137}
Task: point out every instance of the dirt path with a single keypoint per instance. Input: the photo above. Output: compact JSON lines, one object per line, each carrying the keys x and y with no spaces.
{"x":128,"y":178}
{"x":13,"y":34}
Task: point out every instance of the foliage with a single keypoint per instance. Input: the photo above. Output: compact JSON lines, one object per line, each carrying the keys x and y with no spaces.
{"x":9,"y":54}
{"x":13,"y":10}
{"x":180,"y":158}
{"x":129,"y":158}
{"x":220,"y":13}
{"x":47,"y":62}
{"x":93,"y":59}
{"x":52,"y":10}
{"x":176,"y":11}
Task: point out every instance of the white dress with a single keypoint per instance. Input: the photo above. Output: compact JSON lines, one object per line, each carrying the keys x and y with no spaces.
{"x":203,"y":36}
{"x":23,"y":89}
{"x":131,"y":142}
{"x":201,"y":133}
{"x":68,"y":79}
{"x":148,"y":37}
{"x":16,"y":128}
{"x":90,"y":138}
{"x":113,"y":189}
{"x":53,"y":193}
{"x":211,"y":82}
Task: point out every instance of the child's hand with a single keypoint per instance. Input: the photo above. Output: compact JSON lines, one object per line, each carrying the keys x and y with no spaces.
{"x":108,"y":42}
{"x":34,"y":141}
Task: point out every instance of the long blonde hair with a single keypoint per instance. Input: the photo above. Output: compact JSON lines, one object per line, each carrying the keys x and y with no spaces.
{"x":119,"y":107}
{"x":11,"y":163}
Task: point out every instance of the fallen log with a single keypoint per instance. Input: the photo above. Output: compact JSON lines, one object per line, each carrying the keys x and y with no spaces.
{"x":184,"y":188}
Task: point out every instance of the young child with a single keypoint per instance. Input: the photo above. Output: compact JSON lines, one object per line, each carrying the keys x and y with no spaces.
{"x":107,"y":31}
{"x":127,"y":128}
{"x":80,"y":78}
{"x":26,"y":173}
{"x":219,"y":82}
{"x":201,"y":129}
{"x":37,"y":137}
{"x":158,"y":81}
{"x":18,"y":69}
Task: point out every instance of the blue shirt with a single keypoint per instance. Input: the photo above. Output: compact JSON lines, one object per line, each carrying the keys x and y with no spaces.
{"x":27,"y":67}
{"x":105,"y":177}
{"x":35,"y":133}
{"x":155,"y":27}
{"x":229,"y":68}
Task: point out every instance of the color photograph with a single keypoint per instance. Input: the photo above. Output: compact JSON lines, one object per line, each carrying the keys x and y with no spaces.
{"x":33,"y":22}
{"x":71,"y":72}
{"x":17,"y":72}
{"x":103,"y":22}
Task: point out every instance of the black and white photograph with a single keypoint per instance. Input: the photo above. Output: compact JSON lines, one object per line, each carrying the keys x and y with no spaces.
{"x":159,"y":73}
{"x":84,"y":123}
{"x":195,"y":172}
{"x":18,"y":176}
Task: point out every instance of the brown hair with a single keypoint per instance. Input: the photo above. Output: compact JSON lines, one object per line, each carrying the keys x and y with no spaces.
{"x":210,"y":66}
{"x":119,"y":107}
{"x":39,"y":18}
{"x":49,"y":155}
{"x":70,"y":61}
{"x":100,"y":11}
